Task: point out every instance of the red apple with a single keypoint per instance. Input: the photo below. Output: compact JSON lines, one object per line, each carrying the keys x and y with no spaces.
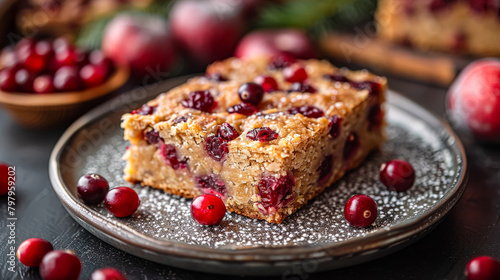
{"x":142,"y":41}
{"x":206,"y":30}
{"x":273,"y":42}
{"x":474,"y":99}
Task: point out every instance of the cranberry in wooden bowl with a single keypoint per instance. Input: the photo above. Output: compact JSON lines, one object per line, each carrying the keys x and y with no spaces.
{"x":45,"y":84}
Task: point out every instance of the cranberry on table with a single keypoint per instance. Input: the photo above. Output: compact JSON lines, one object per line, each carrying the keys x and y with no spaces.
{"x":208,"y":209}
{"x":67,"y":78}
{"x":107,"y":274}
{"x":360,"y":210}
{"x":397,"y":175}
{"x":60,"y":265}
{"x":32,"y":251}
{"x":483,"y":268}
{"x":122,"y":201}
{"x":294,"y":74}
{"x":92,"y":188}
{"x":251,"y":93}
{"x":4,"y":178}
{"x":8,"y":79}
{"x":43,"y":84}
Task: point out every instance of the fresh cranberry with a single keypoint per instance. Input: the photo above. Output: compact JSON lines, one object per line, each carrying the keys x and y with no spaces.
{"x":227,"y":132}
{"x":217,"y":77}
{"x":171,"y":157}
{"x":280,"y":62}
{"x":60,"y":265}
{"x":32,"y":251}
{"x":335,"y":124}
{"x":372,"y":87}
{"x":35,"y":56}
{"x":145,"y":110}
{"x":375,"y":116}
{"x":294,"y":74}
{"x":360,"y":210}
{"x":263,"y":134}
{"x":98,"y":58}
{"x":152,"y":137}
{"x":43,"y":84}
{"x":325,"y":170}
{"x":8,"y":79}
{"x":276,"y":192}
{"x":268,"y":83}
{"x":483,"y":268}
{"x":397,"y":175}
{"x":122,"y":201}
{"x":24,"y":43}
{"x":92,"y":188}
{"x":216,"y":147}
{"x":351,"y":146}
{"x":438,"y":5}
{"x":208,"y":209}
{"x":200,"y":100}
{"x":70,"y":56}
{"x":92,"y":75}
{"x":251,"y":93}
{"x":24,"y":80}
{"x":336,"y":78}
{"x":67,"y":78}
{"x":180,"y":119}
{"x":211,"y":184}
{"x":301,"y":87}
{"x":459,"y":42}
{"x":307,"y":111}
{"x":107,"y":274}
{"x":60,"y":44}
{"x":8,"y":58}
{"x":246,"y":109}
{"x":481,"y":6}
{"x":4,"y":178}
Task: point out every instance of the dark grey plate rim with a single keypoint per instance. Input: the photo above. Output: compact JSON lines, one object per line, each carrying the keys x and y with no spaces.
{"x":397,"y":234}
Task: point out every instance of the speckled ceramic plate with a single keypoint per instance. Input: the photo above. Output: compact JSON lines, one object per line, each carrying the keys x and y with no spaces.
{"x":315,"y":238}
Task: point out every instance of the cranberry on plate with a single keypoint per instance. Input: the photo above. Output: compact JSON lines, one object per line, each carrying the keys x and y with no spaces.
{"x":360,"y":210}
{"x":208,"y":209}
{"x":92,"y":188}
{"x":32,"y":251}
{"x":122,"y":201}
{"x":60,"y":265}
{"x":397,"y":175}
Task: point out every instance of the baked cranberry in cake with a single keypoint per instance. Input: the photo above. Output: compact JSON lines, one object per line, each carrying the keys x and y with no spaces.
{"x":152,"y":136}
{"x":268,"y":83}
{"x":335,"y":124}
{"x":216,"y":147}
{"x":281,"y":61}
{"x":211,"y":184}
{"x":375,"y":116}
{"x":351,"y":146}
{"x":217,"y":77}
{"x":227,"y":132}
{"x":276,"y":192}
{"x":169,"y":153}
{"x":246,"y":109}
{"x":325,"y":170}
{"x":295,"y":73}
{"x":145,"y":110}
{"x":262,"y":134}
{"x":336,"y":78}
{"x":307,"y":111}
{"x":200,"y":100}
{"x":301,"y":87}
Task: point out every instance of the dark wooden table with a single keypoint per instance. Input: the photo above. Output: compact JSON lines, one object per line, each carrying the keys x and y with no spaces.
{"x":472,"y":228}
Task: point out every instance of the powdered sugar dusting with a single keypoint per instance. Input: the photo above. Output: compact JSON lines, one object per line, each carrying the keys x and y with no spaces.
{"x":166,"y":216}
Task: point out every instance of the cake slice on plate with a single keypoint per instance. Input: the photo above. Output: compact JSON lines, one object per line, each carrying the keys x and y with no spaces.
{"x":266,"y":154}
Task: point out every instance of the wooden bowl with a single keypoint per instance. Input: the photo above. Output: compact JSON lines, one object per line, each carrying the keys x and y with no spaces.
{"x":58,"y":109}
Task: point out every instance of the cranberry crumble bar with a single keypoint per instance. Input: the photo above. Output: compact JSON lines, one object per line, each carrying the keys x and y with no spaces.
{"x":266,"y":134}
{"x":457,"y":26}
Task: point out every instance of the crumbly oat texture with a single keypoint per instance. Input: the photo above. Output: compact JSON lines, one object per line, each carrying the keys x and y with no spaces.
{"x":276,"y":159}
{"x":465,"y":26}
